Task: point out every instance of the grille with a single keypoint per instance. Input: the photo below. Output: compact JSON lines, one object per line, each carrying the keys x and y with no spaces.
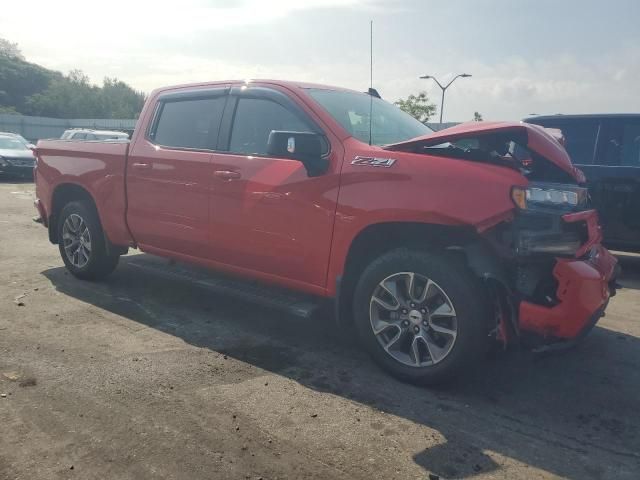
{"x":21,"y":162}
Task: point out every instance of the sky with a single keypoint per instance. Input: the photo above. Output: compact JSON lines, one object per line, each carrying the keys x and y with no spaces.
{"x":526,"y":56}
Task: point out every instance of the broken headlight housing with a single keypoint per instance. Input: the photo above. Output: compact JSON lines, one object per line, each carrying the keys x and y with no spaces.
{"x":550,"y":196}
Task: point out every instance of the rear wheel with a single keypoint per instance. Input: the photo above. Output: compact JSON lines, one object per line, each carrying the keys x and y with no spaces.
{"x":420,"y":316}
{"x":82,"y":243}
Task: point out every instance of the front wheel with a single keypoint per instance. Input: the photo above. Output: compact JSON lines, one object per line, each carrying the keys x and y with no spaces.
{"x":420,"y":316}
{"x":82,"y":243}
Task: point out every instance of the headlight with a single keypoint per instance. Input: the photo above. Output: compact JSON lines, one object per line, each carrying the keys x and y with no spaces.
{"x":549,"y":195}
{"x":3,"y":162}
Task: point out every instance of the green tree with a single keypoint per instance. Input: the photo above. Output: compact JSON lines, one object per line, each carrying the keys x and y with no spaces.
{"x":30,"y":89}
{"x":71,"y":96}
{"x":119,"y":100}
{"x":19,"y":80}
{"x":418,"y":106}
{"x":477,"y":117}
{"x":10,"y":50}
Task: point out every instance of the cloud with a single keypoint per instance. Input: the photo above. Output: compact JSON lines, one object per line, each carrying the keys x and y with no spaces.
{"x":513,"y":88}
{"x":124,"y":20}
{"x":155,"y":43}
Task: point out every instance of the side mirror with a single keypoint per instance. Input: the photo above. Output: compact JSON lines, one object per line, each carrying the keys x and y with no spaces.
{"x":31,"y":146}
{"x":305,"y":147}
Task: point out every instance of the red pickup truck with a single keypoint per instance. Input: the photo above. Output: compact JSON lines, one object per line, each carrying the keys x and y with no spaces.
{"x":433,"y":245}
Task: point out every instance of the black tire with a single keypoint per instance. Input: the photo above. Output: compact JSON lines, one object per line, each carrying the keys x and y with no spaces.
{"x":99,"y":264}
{"x":459,"y":285}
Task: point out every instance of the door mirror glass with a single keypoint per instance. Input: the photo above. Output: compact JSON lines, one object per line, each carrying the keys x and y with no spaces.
{"x":305,"y":147}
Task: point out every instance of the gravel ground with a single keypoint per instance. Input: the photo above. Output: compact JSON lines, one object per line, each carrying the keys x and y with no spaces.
{"x":148,"y":376}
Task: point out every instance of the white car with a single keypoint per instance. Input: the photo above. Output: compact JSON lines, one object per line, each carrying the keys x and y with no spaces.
{"x":86,"y":134}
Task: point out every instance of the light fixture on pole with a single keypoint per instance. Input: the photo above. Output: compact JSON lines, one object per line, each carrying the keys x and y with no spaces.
{"x":444,"y":89}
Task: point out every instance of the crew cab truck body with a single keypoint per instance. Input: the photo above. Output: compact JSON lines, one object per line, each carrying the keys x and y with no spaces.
{"x":432,"y":244}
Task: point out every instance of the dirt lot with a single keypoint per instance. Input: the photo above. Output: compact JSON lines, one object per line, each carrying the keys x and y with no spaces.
{"x":149,"y":376}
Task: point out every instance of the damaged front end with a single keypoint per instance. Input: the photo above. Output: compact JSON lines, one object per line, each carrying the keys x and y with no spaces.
{"x":560,"y":275}
{"x":547,"y":273}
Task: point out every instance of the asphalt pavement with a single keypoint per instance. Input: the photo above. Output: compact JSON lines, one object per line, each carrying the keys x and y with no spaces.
{"x":146,"y":375}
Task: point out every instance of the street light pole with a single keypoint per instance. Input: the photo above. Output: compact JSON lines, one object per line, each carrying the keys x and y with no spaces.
{"x":444,"y":89}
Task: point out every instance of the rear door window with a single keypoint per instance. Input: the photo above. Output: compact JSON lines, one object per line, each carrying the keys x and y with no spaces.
{"x":189,"y":123}
{"x":254,"y":120}
{"x":620,"y":143}
{"x":580,"y":137}
{"x":79,"y":136}
{"x":630,"y":155}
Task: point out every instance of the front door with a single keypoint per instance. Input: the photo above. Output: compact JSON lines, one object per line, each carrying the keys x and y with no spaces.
{"x":169,"y":173}
{"x":267,"y":214}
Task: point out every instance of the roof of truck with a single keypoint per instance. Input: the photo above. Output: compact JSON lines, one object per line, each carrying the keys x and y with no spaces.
{"x":284,"y":83}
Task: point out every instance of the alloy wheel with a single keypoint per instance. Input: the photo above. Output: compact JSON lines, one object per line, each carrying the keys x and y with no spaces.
{"x":413,"y":319}
{"x":76,"y":240}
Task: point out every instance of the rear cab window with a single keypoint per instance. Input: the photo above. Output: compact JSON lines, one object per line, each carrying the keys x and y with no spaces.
{"x":188,"y":122}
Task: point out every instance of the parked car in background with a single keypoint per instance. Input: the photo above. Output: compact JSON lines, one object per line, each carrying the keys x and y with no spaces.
{"x":607,"y":149}
{"x":432,"y":244}
{"x":85,"y":134}
{"x":19,"y":137}
{"x":16,"y":158}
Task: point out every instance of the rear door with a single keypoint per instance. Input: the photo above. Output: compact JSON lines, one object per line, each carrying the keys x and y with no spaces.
{"x":617,"y":178}
{"x":267,"y":215}
{"x":169,"y":173}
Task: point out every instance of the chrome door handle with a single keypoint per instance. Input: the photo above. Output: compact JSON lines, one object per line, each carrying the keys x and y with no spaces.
{"x":140,"y":165}
{"x":227,"y":174}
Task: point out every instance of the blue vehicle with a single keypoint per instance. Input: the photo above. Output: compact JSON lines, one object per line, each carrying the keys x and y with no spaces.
{"x":607,"y":149}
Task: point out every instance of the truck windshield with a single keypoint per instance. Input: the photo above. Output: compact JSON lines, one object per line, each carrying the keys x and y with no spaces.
{"x":354,"y":110}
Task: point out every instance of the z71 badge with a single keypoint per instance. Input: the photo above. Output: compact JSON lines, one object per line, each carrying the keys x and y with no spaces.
{"x":373,"y":161}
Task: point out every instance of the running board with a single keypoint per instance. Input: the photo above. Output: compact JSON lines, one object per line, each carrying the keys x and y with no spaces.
{"x":296,"y":304}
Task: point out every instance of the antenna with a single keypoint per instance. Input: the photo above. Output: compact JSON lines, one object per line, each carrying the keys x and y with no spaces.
{"x":371,"y":81}
{"x":371,"y":54}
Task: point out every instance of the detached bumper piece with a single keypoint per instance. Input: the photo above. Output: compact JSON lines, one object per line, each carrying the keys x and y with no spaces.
{"x":585,"y":283}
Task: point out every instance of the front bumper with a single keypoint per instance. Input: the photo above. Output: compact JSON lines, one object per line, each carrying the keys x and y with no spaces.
{"x":17,"y":170}
{"x":584,"y":285}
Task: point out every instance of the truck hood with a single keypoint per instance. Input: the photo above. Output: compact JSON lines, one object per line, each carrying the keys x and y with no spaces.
{"x":537,"y":138}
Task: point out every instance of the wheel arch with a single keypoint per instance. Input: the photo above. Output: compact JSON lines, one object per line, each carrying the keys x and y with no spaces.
{"x":460,"y":242}
{"x":62,"y":195}
{"x":72,"y":192}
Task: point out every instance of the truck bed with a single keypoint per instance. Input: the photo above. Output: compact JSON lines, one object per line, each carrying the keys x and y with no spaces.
{"x":96,"y":166}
